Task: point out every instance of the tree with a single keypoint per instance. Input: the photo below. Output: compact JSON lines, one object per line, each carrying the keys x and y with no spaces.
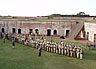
{"x":81,"y":13}
{"x":55,"y":15}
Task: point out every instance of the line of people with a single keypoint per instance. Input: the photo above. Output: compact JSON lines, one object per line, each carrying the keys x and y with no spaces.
{"x":50,"y":46}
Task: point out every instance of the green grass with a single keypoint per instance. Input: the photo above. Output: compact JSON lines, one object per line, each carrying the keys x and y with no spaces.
{"x":48,"y":20}
{"x":24,"y":57}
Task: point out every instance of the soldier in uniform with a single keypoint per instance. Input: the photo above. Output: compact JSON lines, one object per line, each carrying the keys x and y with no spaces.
{"x":40,"y":49}
{"x":87,"y":45}
{"x":4,"y":37}
{"x":54,"y":47}
{"x":13,"y":42}
{"x":81,"y":53}
{"x":78,"y":52}
{"x":57,"y":49}
{"x":68,"y":50}
{"x":71,"y":51}
{"x":59,"y":46}
{"x":62,"y":49}
{"x":65,"y":50}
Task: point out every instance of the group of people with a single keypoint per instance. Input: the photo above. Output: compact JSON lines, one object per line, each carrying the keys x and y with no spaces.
{"x":93,"y":45}
{"x":50,"y":46}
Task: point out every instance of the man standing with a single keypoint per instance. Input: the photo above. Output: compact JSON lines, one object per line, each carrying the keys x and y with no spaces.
{"x":40,"y":51}
{"x":4,"y":36}
{"x":13,"y":42}
{"x":87,"y":45}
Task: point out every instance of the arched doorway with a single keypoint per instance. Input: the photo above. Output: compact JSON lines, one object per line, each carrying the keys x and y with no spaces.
{"x":13,"y":30}
{"x":87,"y":35}
{"x":3,"y":30}
{"x":67,"y":32}
{"x":55,"y":32}
{"x":30,"y":31}
{"x":37,"y":31}
{"x":48,"y":32}
{"x":19,"y":31}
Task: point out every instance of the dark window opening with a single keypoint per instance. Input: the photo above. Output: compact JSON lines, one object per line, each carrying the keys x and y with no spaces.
{"x":55,"y":32}
{"x":84,"y":34}
{"x":13,"y":30}
{"x":19,"y":31}
{"x":67,"y":32}
{"x":30,"y":31}
{"x":87,"y":35}
{"x":3,"y":30}
{"x":48,"y":32}
{"x":77,"y":22}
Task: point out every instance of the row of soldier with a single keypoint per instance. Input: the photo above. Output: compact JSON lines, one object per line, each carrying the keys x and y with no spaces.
{"x":50,"y":46}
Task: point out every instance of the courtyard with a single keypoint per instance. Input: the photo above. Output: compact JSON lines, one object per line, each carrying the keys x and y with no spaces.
{"x":24,"y":57}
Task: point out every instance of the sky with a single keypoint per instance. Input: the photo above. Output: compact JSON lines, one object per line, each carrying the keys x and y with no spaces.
{"x":46,"y":7}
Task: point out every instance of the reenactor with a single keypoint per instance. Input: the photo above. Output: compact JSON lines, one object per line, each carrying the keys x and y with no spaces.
{"x":57,"y":49}
{"x":4,"y":37}
{"x":54,"y":47}
{"x":50,"y":47}
{"x":52,"y":44}
{"x":47,"y":46}
{"x":31,"y":42}
{"x":62,"y":49}
{"x":32,"y":38}
{"x":68,"y":50}
{"x":71,"y":51}
{"x":81,"y":53}
{"x":36,"y":44}
{"x":42,"y":38}
{"x":65,"y":50}
{"x":13,"y":42}
{"x":43,"y":45}
{"x":87,"y":45}
{"x":59,"y":46}
{"x":40,"y":49}
{"x":78,"y":52}
{"x":26,"y":38}
{"x":74,"y":52}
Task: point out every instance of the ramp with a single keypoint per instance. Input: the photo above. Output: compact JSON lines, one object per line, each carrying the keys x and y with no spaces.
{"x":75,"y":31}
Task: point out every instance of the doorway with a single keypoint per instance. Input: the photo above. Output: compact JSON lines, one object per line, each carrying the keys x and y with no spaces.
{"x":48,"y":32}
{"x":87,"y":35}
{"x":67,"y":32}
{"x":13,"y":30}
{"x":19,"y":31}
{"x":3,"y":30}
{"x":55,"y":32}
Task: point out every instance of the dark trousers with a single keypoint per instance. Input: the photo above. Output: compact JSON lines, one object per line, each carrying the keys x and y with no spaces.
{"x":39,"y":53}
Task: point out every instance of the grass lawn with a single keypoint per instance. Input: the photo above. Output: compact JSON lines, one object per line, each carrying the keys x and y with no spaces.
{"x":24,"y":57}
{"x":49,"y":20}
